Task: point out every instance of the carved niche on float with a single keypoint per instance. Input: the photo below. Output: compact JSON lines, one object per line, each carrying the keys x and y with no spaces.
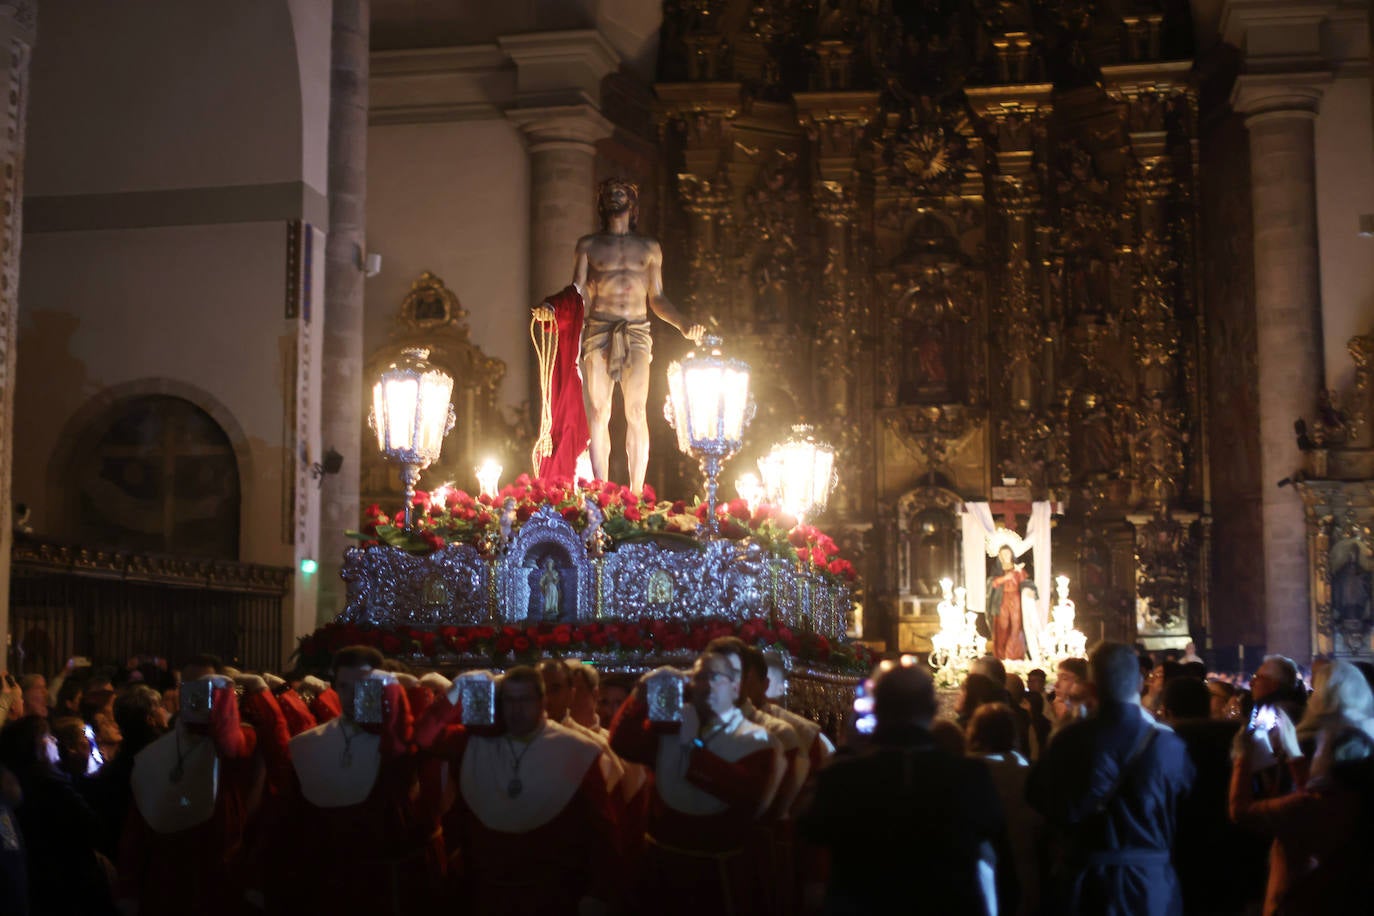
{"x":431,"y":316}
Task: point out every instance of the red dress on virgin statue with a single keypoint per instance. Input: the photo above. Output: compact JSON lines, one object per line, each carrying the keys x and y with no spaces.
{"x":1008,"y":634}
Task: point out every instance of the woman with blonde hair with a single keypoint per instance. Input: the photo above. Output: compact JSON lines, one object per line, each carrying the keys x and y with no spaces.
{"x":1322,"y":829}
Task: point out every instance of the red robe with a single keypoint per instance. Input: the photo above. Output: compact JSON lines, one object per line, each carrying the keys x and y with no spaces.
{"x":383,"y":856}
{"x":542,"y":871}
{"x":697,"y":860}
{"x":326,"y":707}
{"x":298,"y":715}
{"x":569,"y":413}
{"x":199,"y":866}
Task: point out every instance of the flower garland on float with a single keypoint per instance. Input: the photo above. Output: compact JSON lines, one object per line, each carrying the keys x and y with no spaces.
{"x":451,"y":516}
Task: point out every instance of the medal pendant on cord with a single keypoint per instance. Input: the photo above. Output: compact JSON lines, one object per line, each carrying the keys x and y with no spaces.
{"x":515,"y":787}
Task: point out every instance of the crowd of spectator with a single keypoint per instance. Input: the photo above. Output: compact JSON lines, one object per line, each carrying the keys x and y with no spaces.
{"x":1123,"y":783}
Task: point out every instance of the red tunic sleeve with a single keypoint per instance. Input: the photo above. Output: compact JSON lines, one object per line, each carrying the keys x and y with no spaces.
{"x":437,"y":730}
{"x":296,"y":713}
{"x":232,"y":740}
{"x":634,"y":737}
{"x":261,"y":711}
{"x":740,"y":785}
{"x":398,"y":727}
{"x":326,"y":706}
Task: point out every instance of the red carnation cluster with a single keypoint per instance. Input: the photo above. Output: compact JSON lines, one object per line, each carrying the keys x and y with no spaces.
{"x":460,"y":518}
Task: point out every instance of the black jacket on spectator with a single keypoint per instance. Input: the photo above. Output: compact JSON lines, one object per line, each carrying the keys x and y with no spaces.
{"x":61,"y":832}
{"x":1116,"y":820}
{"x":906,"y":824}
{"x":1220,"y":865}
{"x":14,"y":878}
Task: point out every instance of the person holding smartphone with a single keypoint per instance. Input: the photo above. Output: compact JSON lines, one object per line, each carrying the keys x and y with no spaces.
{"x":713,"y":770}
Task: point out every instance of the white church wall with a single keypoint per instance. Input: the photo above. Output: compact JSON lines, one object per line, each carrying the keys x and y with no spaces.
{"x":170,"y":144}
{"x":453,"y":198}
{"x":1345,"y":191}
{"x":197,"y":306}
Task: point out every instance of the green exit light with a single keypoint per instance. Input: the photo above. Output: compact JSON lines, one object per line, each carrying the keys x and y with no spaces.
{"x":308,"y":566}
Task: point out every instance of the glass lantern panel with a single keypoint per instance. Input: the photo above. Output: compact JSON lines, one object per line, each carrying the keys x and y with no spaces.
{"x":704,"y":385}
{"x":680,"y":411}
{"x":736,"y":392}
{"x":398,"y":417}
{"x":435,"y":390}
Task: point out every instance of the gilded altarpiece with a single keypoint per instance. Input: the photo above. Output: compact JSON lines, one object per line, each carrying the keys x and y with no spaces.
{"x":961,"y":240}
{"x":1337,"y":488}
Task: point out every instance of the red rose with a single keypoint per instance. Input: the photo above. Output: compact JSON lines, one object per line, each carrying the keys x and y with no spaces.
{"x":420,"y":500}
{"x":433,"y":540}
{"x":460,"y":645}
{"x":571,"y":513}
{"x":733,"y":530}
{"x":427,"y":641}
{"x":523,"y":514}
{"x":648,"y":495}
{"x":598,"y":640}
{"x":701,"y":512}
{"x":678,"y":507}
{"x":520,"y":643}
{"x":631,"y":639}
{"x":738,"y":508}
{"x":633,"y":514}
{"x":797,"y":537}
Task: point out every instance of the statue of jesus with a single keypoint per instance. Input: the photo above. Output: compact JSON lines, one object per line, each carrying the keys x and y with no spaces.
{"x":619,"y":274}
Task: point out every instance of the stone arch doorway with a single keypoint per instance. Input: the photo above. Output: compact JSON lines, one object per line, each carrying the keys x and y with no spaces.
{"x":154,"y":473}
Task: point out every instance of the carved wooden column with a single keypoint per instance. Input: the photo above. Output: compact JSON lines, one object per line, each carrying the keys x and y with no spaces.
{"x":1164,"y":551}
{"x":698,"y":118}
{"x":17,"y":33}
{"x":836,"y":124}
{"x":1014,"y":118}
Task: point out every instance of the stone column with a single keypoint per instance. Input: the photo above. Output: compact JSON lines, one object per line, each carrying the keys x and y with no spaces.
{"x":1279,"y":112}
{"x":562,"y":148}
{"x":17,"y":34}
{"x":341,"y":407}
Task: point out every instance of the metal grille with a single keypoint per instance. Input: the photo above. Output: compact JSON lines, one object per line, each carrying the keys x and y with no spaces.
{"x":68,"y":602}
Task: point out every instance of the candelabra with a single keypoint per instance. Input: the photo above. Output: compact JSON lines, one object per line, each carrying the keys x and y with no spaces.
{"x":958,"y":642}
{"x":1062,"y":640}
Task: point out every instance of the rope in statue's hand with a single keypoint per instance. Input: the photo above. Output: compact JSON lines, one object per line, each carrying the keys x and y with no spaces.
{"x":544,"y":336}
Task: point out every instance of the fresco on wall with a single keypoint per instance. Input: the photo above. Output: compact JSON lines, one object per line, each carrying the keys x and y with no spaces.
{"x":156,"y":475}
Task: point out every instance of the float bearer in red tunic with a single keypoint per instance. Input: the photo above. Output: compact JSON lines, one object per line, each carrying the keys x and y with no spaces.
{"x":537,"y":825}
{"x":192,"y":790}
{"x":362,"y":838}
{"x":713,"y":771}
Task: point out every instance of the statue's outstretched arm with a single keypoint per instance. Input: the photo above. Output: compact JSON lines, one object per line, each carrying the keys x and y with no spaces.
{"x":659,"y":302}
